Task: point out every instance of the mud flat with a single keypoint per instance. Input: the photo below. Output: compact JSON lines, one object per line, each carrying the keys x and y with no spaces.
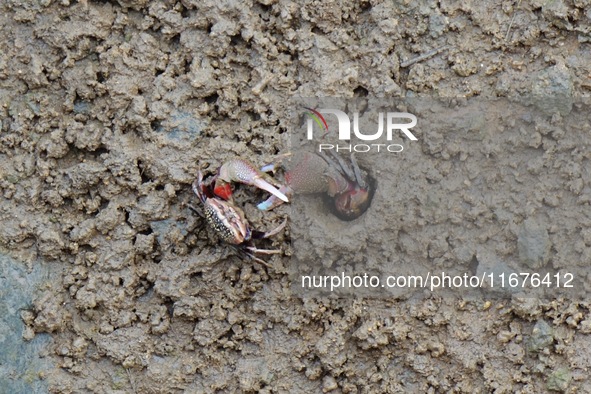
{"x":108,"y":109}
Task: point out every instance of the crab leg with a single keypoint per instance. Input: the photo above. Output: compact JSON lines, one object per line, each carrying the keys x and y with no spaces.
{"x":343,"y":166}
{"x":197,"y":187}
{"x":258,"y":260}
{"x":275,"y":231}
{"x":357,"y":170}
{"x":250,"y":251}
{"x":263,"y":251}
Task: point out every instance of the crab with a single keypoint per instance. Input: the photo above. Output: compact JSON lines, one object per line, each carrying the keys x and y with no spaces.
{"x":308,"y":173}
{"x":224,"y":217}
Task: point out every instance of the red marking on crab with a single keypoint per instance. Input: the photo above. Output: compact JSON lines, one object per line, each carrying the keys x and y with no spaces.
{"x":223,"y":191}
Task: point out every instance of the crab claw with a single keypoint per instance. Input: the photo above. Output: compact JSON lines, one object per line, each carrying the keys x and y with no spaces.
{"x":240,"y":170}
{"x":273,"y":201}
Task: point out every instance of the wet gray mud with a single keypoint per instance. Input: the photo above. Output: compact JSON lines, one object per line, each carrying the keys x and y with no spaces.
{"x":24,"y":356}
{"x":109,"y":108}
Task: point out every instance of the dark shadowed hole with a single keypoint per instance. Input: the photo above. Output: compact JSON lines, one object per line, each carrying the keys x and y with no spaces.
{"x":265,"y":8}
{"x":147,"y":285}
{"x":237,"y":39}
{"x":103,"y":206}
{"x":147,"y":231}
{"x":339,"y":312}
{"x":99,"y":151}
{"x":254,"y":116}
{"x":228,"y":335}
{"x":185,"y":13}
{"x":365,"y":6}
{"x":126,"y":214}
{"x":360,"y":91}
{"x":155,"y":125}
{"x":197,"y":275}
{"x":68,"y":201}
{"x":196,"y":279}
{"x":169,"y":304}
{"x":144,"y":172}
{"x":212,"y":98}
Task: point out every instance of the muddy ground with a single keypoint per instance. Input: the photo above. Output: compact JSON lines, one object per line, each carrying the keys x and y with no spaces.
{"x":109,"y":108}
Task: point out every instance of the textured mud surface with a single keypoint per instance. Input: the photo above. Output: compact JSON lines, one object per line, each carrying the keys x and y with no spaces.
{"x":108,"y":109}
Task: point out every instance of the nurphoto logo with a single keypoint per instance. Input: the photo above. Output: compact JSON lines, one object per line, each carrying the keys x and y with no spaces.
{"x":393,"y":127}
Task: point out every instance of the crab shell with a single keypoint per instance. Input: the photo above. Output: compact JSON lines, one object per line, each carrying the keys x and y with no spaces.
{"x":223,"y":217}
{"x":227,"y":221}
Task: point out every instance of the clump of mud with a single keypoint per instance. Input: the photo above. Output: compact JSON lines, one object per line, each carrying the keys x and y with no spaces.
{"x":108,"y":109}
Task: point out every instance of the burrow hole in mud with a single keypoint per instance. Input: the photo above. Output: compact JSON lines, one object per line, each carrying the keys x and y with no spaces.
{"x":185,"y":12}
{"x":98,"y":151}
{"x":254,"y":116}
{"x":212,"y":98}
{"x":237,"y":40}
{"x":196,"y":278}
{"x":264,"y":9}
{"x":365,"y":6}
{"x":145,"y":172}
{"x":175,"y":40}
{"x":330,"y":202}
{"x":360,"y":91}
{"x":156,"y":125}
